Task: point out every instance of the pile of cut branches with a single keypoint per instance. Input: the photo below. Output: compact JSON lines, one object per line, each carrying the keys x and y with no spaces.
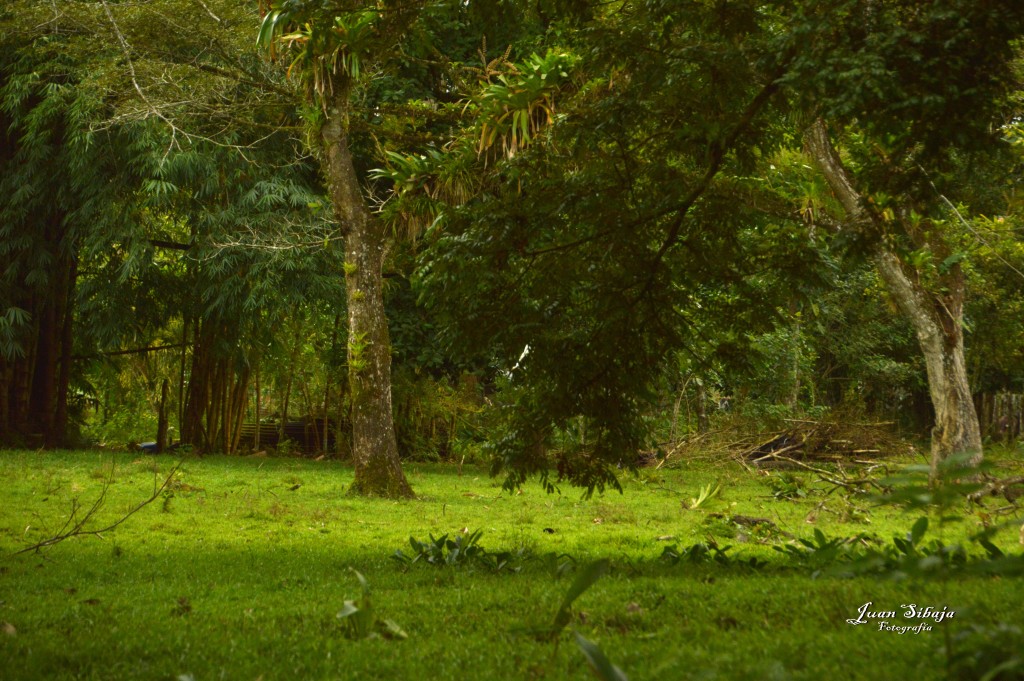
{"x":834,"y":440}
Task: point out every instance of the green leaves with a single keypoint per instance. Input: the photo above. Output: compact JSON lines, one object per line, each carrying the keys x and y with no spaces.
{"x":463,"y":550}
{"x":585,"y":578}
{"x":917,"y":531}
{"x":322,"y":42}
{"x":443,"y":551}
{"x":408,"y":172}
{"x":359,"y":622}
{"x":522,"y":101}
{"x":954,"y":259}
{"x":13,"y":324}
{"x":272,"y":24}
{"x":700,"y":553}
{"x":931,"y":77}
{"x":916,"y":488}
{"x":598,"y":661}
{"x":706,"y":494}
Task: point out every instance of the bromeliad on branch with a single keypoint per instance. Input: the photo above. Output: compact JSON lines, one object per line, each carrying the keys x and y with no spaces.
{"x":321,"y":43}
{"x":514,"y":104}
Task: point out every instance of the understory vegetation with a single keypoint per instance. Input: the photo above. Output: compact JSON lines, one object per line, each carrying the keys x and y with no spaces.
{"x":248,"y":567}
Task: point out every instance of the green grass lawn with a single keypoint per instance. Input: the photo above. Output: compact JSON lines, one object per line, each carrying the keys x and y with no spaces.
{"x":240,"y":573}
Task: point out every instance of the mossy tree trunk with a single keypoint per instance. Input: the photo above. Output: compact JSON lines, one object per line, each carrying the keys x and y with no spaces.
{"x":378,"y":471}
{"x":937,"y":319}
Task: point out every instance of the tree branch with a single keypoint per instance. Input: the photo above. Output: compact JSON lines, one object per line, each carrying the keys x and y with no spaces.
{"x":819,"y":146}
{"x":133,"y":351}
{"x":78,"y":528}
{"x":160,"y":243}
{"x":224,"y":73}
{"x":718,"y":154}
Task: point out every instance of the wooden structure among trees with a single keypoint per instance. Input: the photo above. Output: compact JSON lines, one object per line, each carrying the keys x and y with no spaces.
{"x":1001,"y":415}
{"x":307,"y":434}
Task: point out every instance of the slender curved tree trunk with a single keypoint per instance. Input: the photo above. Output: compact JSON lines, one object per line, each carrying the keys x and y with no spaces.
{"x":937,"y":318}
{"x":938,"y":323}
{"x":378,"y":471}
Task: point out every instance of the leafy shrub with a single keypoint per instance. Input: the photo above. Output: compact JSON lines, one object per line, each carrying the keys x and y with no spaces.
{"x":696,"y":554}
{"x":904,"y":556}
{"x":462,"y":550}
{"x":557,"y":564}
{"x":821,"y":552}
{"x":709,"y":553}
{"x":442,"y":551}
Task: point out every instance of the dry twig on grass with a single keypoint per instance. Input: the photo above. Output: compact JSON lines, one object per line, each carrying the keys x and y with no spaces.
{"x":839,"y":479}
{"x":77,"y":528}
{"x":682,"y":444}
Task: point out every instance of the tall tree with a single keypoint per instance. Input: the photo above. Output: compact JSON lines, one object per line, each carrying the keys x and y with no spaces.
{"x":612,"y":221}
{"x":639,"y":215}
{"x":331,"y":48}
{"x":143,"y":166}
{"x":918,"y":94}
{"x":934,"y":309}
{"x":61,"y":181}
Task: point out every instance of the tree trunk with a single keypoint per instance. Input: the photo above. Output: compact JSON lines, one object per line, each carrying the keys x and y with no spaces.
{"x":44,"y":374}
{"x":191,"y":426}
{"x":181,"y":379}
{"x":34,"y":385}
{"x":937,"y":319}
{"x":327,"y":385}
{"x":67,"y":345}
{"x":238,"y":403}
{"x":293,"y":358}
{"x":938,"y":323}
{"x":702,"y":408}
{"x":342,"y":445}
{"x":378,"y":471}
{"x":256,"y":436}
{"x":161,"y":419}
{"x":793,"y":398}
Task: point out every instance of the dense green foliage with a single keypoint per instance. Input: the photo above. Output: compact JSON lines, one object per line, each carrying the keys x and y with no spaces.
{"x":609,"y":209}
{"x":645,"y":200}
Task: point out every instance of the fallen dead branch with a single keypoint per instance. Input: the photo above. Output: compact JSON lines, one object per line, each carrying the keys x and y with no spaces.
{"x":680,"y":445}
{"x":837,"y":480}
{"x":839,"y":438}
{"x":78,"y":527}
{"x":1004,"y":487}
